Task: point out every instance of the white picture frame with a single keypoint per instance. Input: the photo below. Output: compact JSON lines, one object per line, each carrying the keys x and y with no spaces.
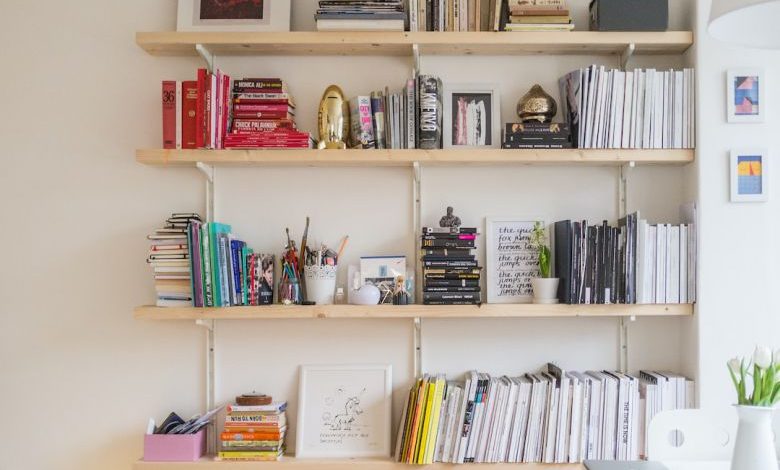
{"x":516,"y":288}
{"x":275,"y":17}
{"x":746,"y":95}
{"x":484,"y":93}
{"x":744,"y":186}
{"x":344,"y":411}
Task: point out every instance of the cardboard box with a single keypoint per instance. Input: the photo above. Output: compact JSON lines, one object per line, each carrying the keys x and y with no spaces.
{"x":174,"y":447}
{"x":629,"y":15}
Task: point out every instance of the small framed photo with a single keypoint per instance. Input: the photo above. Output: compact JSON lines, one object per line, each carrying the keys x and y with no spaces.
{"x":472,"y":116}
{"x":749,"y":175}
{"x":746,"y":96}
{"x":344,"y":411}
{"x":233,"y":15}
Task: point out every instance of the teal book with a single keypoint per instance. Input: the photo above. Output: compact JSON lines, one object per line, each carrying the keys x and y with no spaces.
{"x":215,"y":230}
{"x":245,"y":252}
{"x":208,"y":289}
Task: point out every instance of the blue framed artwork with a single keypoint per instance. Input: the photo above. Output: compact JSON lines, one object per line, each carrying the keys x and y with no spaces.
{"x":746,"y":95}
{"x":749,"y":175}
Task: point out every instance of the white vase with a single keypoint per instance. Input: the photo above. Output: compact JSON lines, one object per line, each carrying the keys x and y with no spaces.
{"x":545,"y":290}
{"x":754,"y":448}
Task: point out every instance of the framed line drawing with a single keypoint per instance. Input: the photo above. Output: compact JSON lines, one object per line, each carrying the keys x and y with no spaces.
{"x":344,"y":411}
{"x":510,"y":261}
{"x":472,"y":116}
{"x":746,"y":95}
{"x":233,"y":15}
{"x":749,"y":170}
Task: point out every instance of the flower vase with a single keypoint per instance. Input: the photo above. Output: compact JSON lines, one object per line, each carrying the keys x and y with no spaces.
{"x":545,"y":290}
{"x":754,"y":448}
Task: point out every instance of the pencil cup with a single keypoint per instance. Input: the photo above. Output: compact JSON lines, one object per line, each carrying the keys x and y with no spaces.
{"x":320,"y":283}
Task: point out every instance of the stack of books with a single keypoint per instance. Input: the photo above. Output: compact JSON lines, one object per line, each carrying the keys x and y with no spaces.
{"x":456,"y":15}
{"x":538,"y":15}
{"x":254,"y":432}
{"x":224,"y":270}
{"x":551,"y":416}
{"x":338,"y":15}
{"x":648,"y":109}
{"x":169,"y":255}
{"x":633,"y":263}
{"x":451,"y":272}
{"x":536,"y":135}
{"x":264,"y":116}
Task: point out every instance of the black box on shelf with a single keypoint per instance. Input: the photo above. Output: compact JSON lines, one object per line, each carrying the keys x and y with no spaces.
{"x":629,"y":15}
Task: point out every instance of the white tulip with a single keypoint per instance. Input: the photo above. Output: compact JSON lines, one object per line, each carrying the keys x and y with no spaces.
{"x":762,"y":357}
{"x":735,"y":366}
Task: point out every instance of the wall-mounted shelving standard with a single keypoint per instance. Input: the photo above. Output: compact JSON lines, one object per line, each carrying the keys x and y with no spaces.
{"x":402,"y":43}
{"x":289,"y":463}
{"x":269,"y":312}
{"x":407,"y":158}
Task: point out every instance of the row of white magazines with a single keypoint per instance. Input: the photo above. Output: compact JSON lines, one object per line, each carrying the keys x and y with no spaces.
{"x":665,"y":263}
{"x":552,"y":416}
{"x":642,"y":109}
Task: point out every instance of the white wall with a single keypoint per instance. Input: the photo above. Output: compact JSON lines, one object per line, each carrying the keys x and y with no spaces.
{"x":738,"y":251}
{"x":79,"y":97}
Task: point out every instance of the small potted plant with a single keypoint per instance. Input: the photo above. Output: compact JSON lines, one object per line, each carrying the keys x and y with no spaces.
{"x":545,"y":287}
{"x":754,"y":448}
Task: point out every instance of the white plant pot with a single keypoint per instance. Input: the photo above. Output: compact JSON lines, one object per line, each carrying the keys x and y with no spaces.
{"x":545,"y":290}
{"x":754,"y":448}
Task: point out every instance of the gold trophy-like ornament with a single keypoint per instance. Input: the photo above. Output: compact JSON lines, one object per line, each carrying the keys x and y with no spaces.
{"x":333,"y":119}
{"x":537,"y":105}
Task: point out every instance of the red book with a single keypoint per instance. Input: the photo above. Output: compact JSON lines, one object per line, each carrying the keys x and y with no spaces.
{"x":262,"y":107}
{"x":263,"y":115}
{"x":225,"y":106}
{"x":188,"y":114}
{"x":169,"y":114}
{"x":265,"y":102}
{"x":239,"y":91}
{"x":200,"y":113}
{"x":242,"y":125}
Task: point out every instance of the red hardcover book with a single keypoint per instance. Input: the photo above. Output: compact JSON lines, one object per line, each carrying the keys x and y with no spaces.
{"x":169,"y":114}
{"x":225,"y":107}
{"x":219,"y":77}
{"x":263,"y":115}
{"x":282,"y":102}
{"x":200,"y":110}
{"x":243,"y":125}
{"x":262,"y":107}
{"x":188,"y":115}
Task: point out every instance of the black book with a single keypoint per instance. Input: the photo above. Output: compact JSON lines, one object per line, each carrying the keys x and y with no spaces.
{"x":590,"y":265}
{"x":464,"y":257}
{"x":450,"y":264}
{"x":529,"y":146}
{"x":445,"y":252}
{"x":451,"y":230}
{"x":453,"y":275}
{"x":430,"y":112}
{"x":448,"y":243}
{"x":536,"y":128}
{"x":451,"y":282}
{"x":563,"y":260}
{"x":537,"y":139}
{"x":450,"y":289}
{"x":449,"y":236}
{"x":450,"y":296}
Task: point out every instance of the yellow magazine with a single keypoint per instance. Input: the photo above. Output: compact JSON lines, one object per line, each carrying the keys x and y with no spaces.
{"x":426,"y":422}
{"x":438,"y":397}
{"x":406,"y":425}
{"x":414,"y":425}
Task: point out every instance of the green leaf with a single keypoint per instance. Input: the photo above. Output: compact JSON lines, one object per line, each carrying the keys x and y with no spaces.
{"x":756,"y":385}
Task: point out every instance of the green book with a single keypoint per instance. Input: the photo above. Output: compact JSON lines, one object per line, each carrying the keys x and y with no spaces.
{"x":215,"y":230}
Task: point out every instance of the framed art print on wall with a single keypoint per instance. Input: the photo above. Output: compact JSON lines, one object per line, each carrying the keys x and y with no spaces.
{"x":472,"y":116}
{"x":746,"y":95}
{"x":344,"y":411}
{"x":511,"y":261}
{"x":233,"y":15}
{"x":749,"y":169}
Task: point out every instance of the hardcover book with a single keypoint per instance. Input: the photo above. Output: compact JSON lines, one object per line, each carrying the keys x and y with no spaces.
{"x":361,"y":122}
{"x":430,"y":112}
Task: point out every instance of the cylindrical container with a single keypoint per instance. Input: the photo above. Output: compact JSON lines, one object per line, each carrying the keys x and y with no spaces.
{"x":754,"y":448}
{"x":320,"y":283}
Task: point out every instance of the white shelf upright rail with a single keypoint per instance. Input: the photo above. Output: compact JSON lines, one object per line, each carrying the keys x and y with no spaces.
{"x":622,"y":200}
{"x":417,"y":228}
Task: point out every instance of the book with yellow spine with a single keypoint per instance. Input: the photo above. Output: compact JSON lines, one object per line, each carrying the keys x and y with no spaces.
{"x":438,"y":397}
{"x":426,"y":422}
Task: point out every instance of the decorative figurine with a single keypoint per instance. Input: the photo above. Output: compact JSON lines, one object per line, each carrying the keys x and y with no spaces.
{"x":537,"y":105}
{"x":333,"y":119}
{"x":449,"y":220}
{"x":400,"y":296}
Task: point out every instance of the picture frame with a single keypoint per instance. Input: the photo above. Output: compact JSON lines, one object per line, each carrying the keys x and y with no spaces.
{"x":746,"y":95}
{"x":510,"y":268}
{"x":237,"y":15}
{"x":477,"y":103}
{"x":749,"y":170}
{"x":344,"y":411}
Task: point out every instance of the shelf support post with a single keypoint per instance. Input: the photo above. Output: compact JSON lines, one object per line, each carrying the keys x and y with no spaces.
{"x":622,"y":212}
{"x":209,"y":172}
{"x":417,"y":225}
{"x":206,"y":55}
{"x":416,"y":57}
{"x":211,"y":376}
{"x":625,"y":57}
{"x":418,"y":366}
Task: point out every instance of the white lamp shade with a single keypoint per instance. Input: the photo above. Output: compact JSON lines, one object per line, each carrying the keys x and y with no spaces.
{"x":752,"y":23}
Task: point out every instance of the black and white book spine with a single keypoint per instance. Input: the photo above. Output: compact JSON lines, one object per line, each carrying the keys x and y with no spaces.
{"x":430,"y":109}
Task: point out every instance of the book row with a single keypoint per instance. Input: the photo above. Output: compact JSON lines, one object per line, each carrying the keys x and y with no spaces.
{"x":633,"y":263}
{"x":547,"y":15}
{"x":253,"y":432}
{"x":551,"y":416}
{"x":169,"y":257}
{"x":337,"y":15}
{"x":451,"y":272}
{"x":648,"y":109}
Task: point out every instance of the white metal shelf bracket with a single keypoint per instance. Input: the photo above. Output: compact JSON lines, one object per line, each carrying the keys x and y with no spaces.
{"x":210,"y":172}
{"x":206,"y":55}
{"x":211,"y":374}
{"x":417,"y":227}
{"x":416,"y":57}
{"x":418,"y":366}
{"x":626,"y":56}
{"x":622,"y":201}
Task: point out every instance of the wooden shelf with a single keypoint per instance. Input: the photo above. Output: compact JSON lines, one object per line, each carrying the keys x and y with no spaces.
{"x":269,"y":312}
{"x":400,"y":43}
{"x":338,"y":464}
{"x":405,"y":158}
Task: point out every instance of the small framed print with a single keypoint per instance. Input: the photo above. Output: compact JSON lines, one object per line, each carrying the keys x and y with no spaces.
{"x":749,"y":175}
{"x":472,"y":116}
{"x":344,"y":411}
{"x":233,"y":15}
{"x":746,"y":95}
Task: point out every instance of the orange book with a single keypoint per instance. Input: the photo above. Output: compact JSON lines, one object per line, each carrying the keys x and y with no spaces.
{"x":250,"y":436}
{"x":417,"y":422}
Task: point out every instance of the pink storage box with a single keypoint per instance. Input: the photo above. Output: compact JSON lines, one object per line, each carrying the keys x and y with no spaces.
{"x":175,"y":447}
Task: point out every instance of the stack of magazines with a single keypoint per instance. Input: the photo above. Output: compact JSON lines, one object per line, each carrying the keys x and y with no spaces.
{"x":340,"y":15}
